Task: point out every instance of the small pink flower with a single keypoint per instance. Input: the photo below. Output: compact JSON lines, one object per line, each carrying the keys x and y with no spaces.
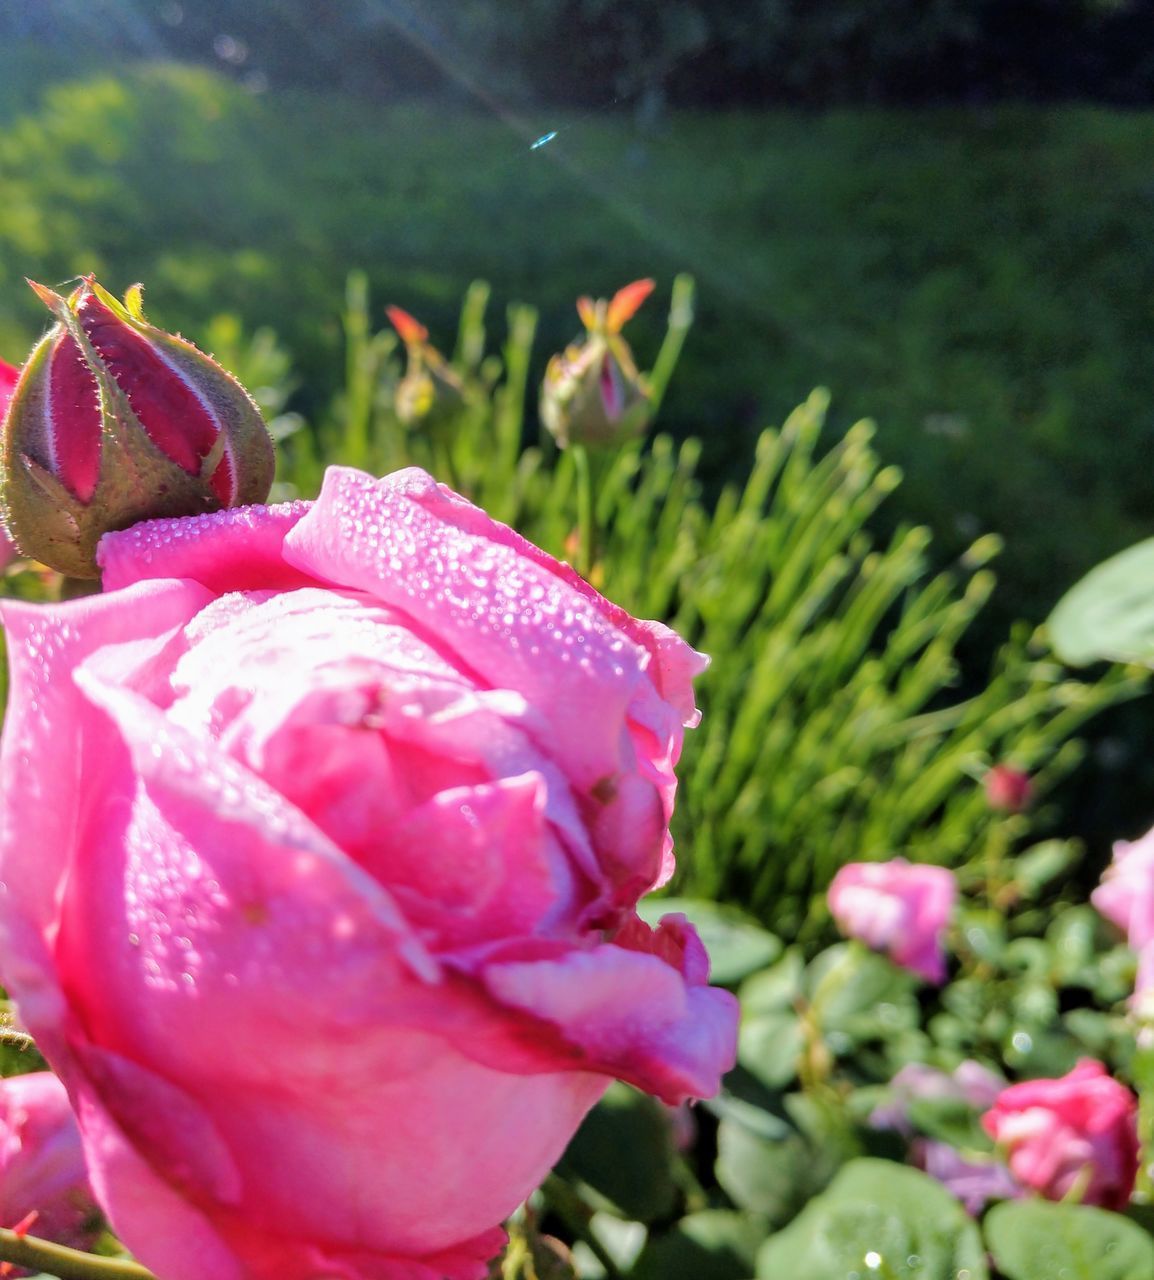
{"x":1007,"y":789}
{"x":1126,"y":895}
{"x":898,"y":908}
{"x":971,"y":1083}
{"x":1075,"y":1134}
{"x":41,"y":1161}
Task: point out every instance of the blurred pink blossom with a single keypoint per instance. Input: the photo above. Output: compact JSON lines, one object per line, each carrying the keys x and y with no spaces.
{"x":899,"y":908}
{"x":42,"y":1163}
{"x":1008,"y":789}
{"x":1077,"y":1134}
{"x":971,"y":1083}
{"x":1126,"y":898}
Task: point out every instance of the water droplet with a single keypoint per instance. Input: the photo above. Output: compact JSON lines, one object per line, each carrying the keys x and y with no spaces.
{"x":873,"y":1260}
{"x":1022,"y":1041}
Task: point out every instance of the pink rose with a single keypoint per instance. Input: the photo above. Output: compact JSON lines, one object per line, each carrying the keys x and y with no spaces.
{"x":1078,"y":1133}
{"x":41,"y":1161}
{"x":325,"y":826}
{"x":897,"y":908}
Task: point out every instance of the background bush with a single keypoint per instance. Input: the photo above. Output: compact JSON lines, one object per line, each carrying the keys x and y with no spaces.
{"x":589,"y":52}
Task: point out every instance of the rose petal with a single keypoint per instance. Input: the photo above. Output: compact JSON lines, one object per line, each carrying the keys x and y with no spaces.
{"x":630,"y":1014}
{"x":234,"y":550}
{"x":509,"y":619}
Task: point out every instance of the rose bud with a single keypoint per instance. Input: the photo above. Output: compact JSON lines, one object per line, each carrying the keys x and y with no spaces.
{"x":1076,"y":1136}
{"x":115,"y":421}
{"x":898,"y":908}
{"x":325,"y":826}
{"x":430,"y":392}
{"x":1008,"y":790}
{"x":592,"y":393}
{"x":42,"y":1173}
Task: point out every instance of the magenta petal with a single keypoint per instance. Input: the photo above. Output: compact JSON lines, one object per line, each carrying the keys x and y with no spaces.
{"x":629,"y":1014}
{"x":235,"y":550}
{"x":674,"y":662}
{"x":506,"y":616}
{"x":167,"y":1232}
{"x":40,"y":802}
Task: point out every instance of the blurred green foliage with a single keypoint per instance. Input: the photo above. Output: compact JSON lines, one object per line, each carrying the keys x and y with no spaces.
{"x":978,"y":280}
{"x":694,"y":51}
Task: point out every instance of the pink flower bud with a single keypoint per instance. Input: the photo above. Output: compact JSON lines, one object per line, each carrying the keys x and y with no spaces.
{"x":592,"y":393}
{"x":114,"y":421}
{"x":1008,"y":790}
{"x":41,"y":1162}
{"x":1073,"y":1136}
{"x":897,"y":908}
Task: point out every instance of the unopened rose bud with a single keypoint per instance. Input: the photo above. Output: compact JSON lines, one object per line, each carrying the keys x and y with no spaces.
{"x":593,"y":393}
{"x":431,"y":391}
{"x":1008,"y":790}
{"x":114,"y":421}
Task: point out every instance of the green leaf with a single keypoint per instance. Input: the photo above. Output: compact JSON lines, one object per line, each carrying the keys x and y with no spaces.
{"x":775,"y":988}
{"x":624,"y":1151}
{"x":1036,"y":1240}
{"x":1043,"y":863}
{"x":737,"y":944}
{"x":715,"y":1244}
{"x":769,"y":1047}
{"x":770,"y":1177}
{"x":1110,"y":613}
{"x":880,"y":1221}
{"x":858,"y":995}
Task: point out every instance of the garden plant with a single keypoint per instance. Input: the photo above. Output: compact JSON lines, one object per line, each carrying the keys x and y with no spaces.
{"x":345,"y":760}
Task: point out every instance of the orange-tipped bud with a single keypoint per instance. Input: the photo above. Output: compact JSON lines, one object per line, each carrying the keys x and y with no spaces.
{"x":431,"y":392}
{"x":592,"y":393}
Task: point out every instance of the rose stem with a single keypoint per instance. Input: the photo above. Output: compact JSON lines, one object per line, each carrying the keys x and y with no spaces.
{"x":67,"y":1264}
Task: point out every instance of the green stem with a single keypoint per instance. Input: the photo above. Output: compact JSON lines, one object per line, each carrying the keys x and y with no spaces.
{"x":585,"y":529}
{"x":575,"y":1213}
{"x":67,"y":1264}
{"x":680,"y":320}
